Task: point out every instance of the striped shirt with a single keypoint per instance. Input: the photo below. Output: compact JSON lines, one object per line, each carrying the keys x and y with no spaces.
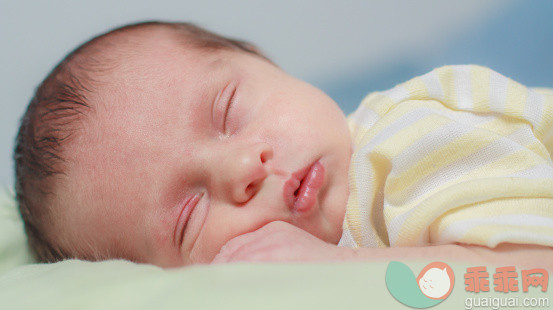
{"x":461,"y":154}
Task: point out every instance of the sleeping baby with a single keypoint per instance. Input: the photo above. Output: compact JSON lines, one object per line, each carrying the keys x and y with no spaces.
{"x":167,"y":144}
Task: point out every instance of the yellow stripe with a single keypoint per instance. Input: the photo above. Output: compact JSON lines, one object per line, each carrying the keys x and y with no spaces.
{"x":378,"y":103}
{"x":363,"y":136}
{"x":506,"y":165}
{"x":446,"y":78}
{"x":438,"y":159}
{"x":482,"y":235}
{"x":377,"y":220}
{"x":516,"y":98}
{"x":353,"y":217}
{"x":532,"y":206}
{"x":410,"y":135}
{"x":506,"y":126}
{"x":474,"y":191}
{"x":374,"y":102}
{"x":356,"y":221}
{"x":503,"y":126}
{"x":417,"y":89}
{"x":538,"y":148}
{"x":546,"y":123}
{"x":480,"y":83}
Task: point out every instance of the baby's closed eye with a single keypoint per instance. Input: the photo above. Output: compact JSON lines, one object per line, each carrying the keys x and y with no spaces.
{"x":222,"y":107}
{"x":184,"y":217}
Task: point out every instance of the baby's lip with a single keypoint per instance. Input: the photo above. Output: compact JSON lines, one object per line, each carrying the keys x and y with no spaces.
{"x":292,"y":186}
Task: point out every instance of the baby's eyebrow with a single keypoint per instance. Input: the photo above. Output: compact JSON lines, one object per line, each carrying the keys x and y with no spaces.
{"x":217,"y":63}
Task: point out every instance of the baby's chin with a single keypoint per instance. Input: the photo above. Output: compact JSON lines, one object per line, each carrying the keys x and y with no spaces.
{"x":336,"y":216}
{"x":333,"y":238}
{"x":336,"y":234}
{"x":329,"y":231}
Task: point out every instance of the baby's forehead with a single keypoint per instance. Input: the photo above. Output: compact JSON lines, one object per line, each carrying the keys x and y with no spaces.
{"x":161,"y":76}
{"x":152,"y":65}
{"x":152,"y":56}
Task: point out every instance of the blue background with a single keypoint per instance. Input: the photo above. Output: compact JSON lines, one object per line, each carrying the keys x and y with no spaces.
{"x":517,"y":43}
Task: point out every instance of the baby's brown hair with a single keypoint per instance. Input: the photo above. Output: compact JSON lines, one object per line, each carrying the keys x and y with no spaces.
{"x":54,"y":114}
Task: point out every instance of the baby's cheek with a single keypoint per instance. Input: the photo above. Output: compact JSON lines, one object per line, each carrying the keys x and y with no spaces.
{"x":207,"y":246}
{"x":161,"y":237}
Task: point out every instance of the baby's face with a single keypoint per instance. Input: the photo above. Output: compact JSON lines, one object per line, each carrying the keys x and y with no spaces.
{"x":187,"y":149}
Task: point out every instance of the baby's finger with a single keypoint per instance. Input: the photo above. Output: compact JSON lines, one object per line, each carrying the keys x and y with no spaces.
{"x":250,"y":245}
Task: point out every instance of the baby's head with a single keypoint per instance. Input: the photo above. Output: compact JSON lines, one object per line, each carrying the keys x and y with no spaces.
{"x":160,"y":142}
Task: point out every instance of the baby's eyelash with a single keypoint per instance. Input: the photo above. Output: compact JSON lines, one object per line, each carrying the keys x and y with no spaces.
{"x":229,"y":104}
{"x":187,"y":211}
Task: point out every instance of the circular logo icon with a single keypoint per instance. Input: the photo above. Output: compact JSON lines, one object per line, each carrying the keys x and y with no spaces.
{"x":433,"y":284}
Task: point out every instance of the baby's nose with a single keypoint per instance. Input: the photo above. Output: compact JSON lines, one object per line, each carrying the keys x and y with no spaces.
{"x":247,"y":171}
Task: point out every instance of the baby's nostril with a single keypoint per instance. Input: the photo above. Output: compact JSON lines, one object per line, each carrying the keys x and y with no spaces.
{"x":250,"y":188}
{"x":264,"y":157}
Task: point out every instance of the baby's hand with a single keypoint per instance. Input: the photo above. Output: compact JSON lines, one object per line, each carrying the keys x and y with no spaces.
{"x":277,"y":241}
{"x":280,"y":241}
